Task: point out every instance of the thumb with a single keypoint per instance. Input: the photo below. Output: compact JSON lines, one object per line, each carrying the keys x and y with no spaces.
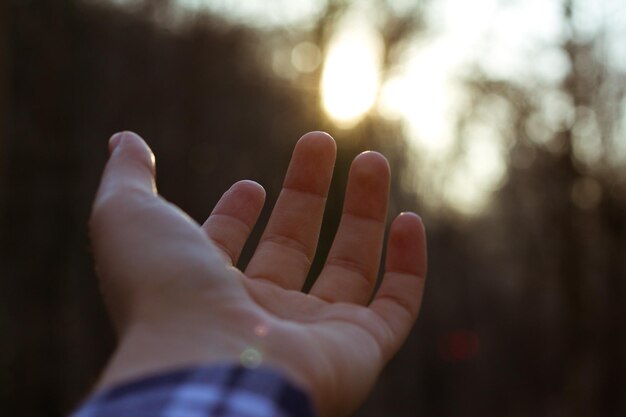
{"x":126,"y":188}
{"x":130,"y":167}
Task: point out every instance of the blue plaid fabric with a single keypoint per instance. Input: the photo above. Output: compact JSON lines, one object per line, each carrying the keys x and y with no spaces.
{"x":213,"y":391}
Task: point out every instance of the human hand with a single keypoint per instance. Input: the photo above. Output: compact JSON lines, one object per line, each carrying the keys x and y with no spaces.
{"x":176,"y":298}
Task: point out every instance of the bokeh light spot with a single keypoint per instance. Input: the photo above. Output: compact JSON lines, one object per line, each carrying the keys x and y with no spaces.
{"x":586,"y":193}
{"x":306,"y":57}
{"x":251,"y":357}
{"x":459,"y":346}
{"x":261,"y":330}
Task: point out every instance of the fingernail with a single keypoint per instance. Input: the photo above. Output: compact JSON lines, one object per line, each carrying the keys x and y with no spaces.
{"x":115,"y":141}
{"x":411,"y":213}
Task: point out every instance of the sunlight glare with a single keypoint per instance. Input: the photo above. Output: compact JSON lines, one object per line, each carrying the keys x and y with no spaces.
{"x":425,"y":96}
{"x":350,"y":79}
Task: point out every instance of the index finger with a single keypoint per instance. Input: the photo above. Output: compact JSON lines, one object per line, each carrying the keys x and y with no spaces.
{"x":287,"y":246}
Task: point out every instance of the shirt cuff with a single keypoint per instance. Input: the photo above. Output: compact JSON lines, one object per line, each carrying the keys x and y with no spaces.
{"x":226,"y":390}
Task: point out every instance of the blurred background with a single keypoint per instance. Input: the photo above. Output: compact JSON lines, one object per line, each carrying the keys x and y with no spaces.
{"x":504,"y":122}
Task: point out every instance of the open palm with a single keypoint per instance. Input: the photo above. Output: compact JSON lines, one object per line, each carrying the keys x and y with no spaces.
{"x":176,"y":298}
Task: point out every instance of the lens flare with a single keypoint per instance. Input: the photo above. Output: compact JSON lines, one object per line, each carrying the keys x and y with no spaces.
{"x":251,"y":357}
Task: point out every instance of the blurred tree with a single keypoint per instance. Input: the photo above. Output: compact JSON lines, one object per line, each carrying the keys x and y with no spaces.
{"x":561,"y":217}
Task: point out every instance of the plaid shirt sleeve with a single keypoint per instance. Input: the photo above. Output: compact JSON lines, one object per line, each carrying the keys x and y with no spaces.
{"x":214,"y":391}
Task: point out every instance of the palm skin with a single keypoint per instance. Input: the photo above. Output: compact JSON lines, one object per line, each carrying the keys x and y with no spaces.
{"x":176,"y":298}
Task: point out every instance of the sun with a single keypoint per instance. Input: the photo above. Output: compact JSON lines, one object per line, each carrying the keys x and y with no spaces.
{"x":351,"y":76}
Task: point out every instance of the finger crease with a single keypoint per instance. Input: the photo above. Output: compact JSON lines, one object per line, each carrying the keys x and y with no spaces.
{"x":307,"y":193}
{"x":408,"y":273}
{"x":367,"y":219}
{"x":231,"y":217}
{"x":224,"y":248}
{"x":291,"y":244}
{"x":353,"y":266}
{"x":401,"y":302}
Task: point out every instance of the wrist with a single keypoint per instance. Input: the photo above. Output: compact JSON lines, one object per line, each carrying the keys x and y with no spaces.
{"x":150,"y":346}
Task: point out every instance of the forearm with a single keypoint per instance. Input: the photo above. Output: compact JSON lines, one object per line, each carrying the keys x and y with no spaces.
{"x":145,"y":350}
